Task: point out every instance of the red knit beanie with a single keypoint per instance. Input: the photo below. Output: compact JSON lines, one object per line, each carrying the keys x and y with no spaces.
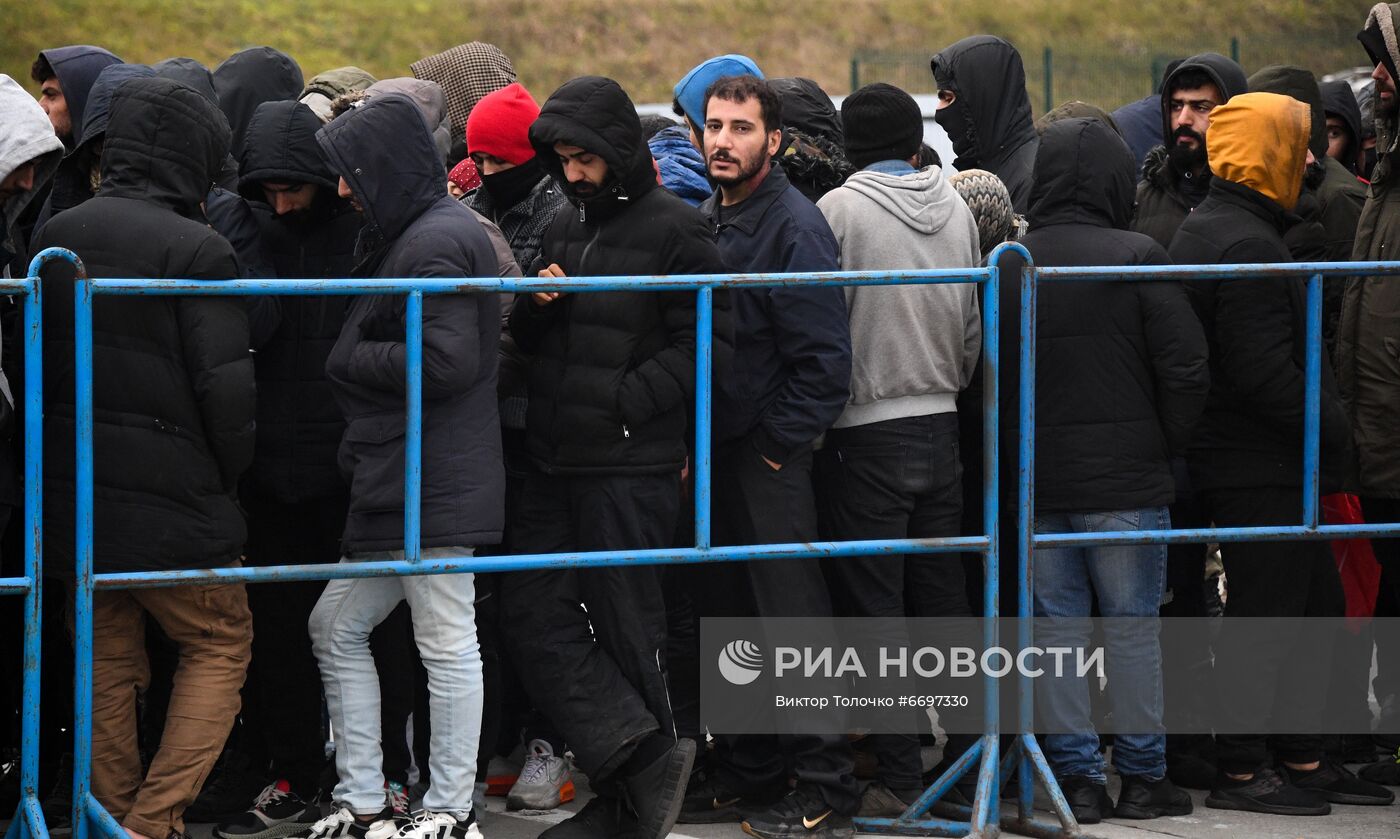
{"x":499,"y":125}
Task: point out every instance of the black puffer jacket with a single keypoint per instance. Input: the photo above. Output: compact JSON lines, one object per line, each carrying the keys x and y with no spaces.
{"x":299,"y":424}
{"x":990,"y":122}
{"x":1252,"y":431}
{"x":1121,"y":371}
{"x":172,"y":376}
{"x":415,"y":229}
{"x":1166,"y":196}
{"x":613,"y":374}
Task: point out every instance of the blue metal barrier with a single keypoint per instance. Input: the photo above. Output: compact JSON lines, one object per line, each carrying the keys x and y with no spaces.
{"x":29,"y":819}
{"x":983,"y":818}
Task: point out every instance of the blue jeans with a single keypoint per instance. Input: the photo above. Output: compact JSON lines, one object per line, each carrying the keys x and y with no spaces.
{"x":1129,"y":581}
{"x":444,"y":627}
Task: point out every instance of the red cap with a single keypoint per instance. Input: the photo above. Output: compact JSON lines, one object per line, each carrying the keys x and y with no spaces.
{"x":465,"y":176}
{"x":499,"y":125}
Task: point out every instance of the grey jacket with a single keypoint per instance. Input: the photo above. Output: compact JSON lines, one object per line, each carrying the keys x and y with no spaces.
{"x":913,"y":347}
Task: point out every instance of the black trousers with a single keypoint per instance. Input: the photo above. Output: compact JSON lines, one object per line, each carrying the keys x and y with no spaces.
{"x":590,"y":644}
{"x":281,"y":719}
{"x":1270,"y":579}
{"x":1188,"y":682}
{"x":896,"y":479}
{"x":1387,"y":681}
{"x":755,"y":505}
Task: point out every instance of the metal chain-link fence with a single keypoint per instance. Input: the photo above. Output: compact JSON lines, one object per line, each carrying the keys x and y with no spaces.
{"x":1113,"y":76}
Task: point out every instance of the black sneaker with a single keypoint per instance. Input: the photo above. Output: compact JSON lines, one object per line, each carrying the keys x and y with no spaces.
{"x":803,"y":813}
{"x":880,"y":802}
{"x":602,"y":817}
{"x":1142,"y":798}
{"x":226,"y":794}
{"x":277,"y":812}
{"x":1385,"y":772}
{"x":657,"y":790}
{"x":1088,"y":799}
{"x":709,"y":800}
{"x":343,"y":824}
{"x":1337,"y":784}
{"x":1266,"y":792}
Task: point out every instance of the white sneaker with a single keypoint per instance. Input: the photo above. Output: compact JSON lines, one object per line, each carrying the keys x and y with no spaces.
{"x":342,"y":824}
{"x":430,"y":825}
{"x":545,"y":780}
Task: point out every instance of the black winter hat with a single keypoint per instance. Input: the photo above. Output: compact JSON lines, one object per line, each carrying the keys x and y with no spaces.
{"x":881,"y":122}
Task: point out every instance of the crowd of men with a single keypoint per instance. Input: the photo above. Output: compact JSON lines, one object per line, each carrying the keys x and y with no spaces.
{"x":271,"y":430}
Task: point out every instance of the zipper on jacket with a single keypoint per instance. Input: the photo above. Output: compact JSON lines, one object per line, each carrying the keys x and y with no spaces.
{"x":625,"y":433}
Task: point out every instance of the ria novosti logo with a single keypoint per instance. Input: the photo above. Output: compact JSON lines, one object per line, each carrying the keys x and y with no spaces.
{"x":740,"y":662}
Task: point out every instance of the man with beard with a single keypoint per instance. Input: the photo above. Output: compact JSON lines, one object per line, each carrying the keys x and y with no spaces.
{"x":1176,"y":175}
{"x":984,"y":107}
{"x":294,"y":495}
{"x":1366,"y":358}
{"x":790,"y":381}
{"x":611,"y":380}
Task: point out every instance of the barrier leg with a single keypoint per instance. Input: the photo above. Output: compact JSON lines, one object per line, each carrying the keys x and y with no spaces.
{"x":105,"y":826}
{"x":34,"y":818}
{"x":82,"y":587}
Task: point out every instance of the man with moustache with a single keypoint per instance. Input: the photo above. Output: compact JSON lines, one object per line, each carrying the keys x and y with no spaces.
{"x":1176,"y":175}
{"x":790,"y":381}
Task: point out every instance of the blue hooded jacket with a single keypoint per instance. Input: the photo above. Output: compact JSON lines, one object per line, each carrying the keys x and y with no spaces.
{"x":681,"y":165}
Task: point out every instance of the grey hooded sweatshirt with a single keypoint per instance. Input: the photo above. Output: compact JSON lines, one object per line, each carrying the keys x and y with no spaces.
{"x":913,"y":347}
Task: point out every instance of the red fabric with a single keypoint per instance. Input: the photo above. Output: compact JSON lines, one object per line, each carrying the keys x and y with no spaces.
{"x":1356,"y":562}
{"x":465,"y":175}
{"x":499,"y":125}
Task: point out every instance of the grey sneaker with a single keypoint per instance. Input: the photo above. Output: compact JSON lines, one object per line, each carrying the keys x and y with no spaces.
{"x":545,"y":780}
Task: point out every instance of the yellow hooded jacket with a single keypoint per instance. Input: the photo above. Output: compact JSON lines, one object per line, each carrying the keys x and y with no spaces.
{"x":1260,"y":140}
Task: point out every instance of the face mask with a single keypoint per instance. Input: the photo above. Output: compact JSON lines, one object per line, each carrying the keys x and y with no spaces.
{"x":956,"y":122}
{"x":512,"y":186}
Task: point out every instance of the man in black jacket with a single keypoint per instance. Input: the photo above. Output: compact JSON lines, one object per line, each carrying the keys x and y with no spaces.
{"x":294,"y":494}
{"x":611,"y":382}
{"x":1246,"y":466}
{"x":173,"y":432}
{"x":389,"y":170}
{"x":1176,"y":175}
{"x":1103,"y":457}
{"x":984,"y":107}
{"x":789,"y":382}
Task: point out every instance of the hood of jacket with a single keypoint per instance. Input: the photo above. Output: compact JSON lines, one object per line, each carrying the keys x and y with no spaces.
{"x":165,"y":144}
{"x":1339,"y":101}
{"x":681,"y":165}
{"x":990,"y":81}
{"x":1260,"y":140}
{"x":99,"y":106}
{"x":1301,"y":85}
{"x":1226,"y":74}
{"x":595,"y":113}
{"x":77,"y":68}
{"x":466,"y":73}
{"x":189,"y":72}
{"x":280,"y":145}
{"x":28,"y":135}
{"x":1083,"y":175}
{"x":1075,"y":109}
{"x":251,"y":77}
{"x":808,"y":108}
{"x":1382,"y":43}
{"x":923,"y":200}
{"x":431,"y":102}
{"x":384,"y":152}
{"x":324,"y":88}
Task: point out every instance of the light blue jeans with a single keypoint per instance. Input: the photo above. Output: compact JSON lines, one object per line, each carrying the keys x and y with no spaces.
{"x":1130,"y":582}
{"x":444,"y":627}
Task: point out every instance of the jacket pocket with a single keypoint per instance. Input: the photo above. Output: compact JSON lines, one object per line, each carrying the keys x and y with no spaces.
{"x":376,"y":429}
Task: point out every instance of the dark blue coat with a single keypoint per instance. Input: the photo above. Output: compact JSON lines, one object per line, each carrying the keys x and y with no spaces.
{"x":413,"y":228}
{"x":792,"y":346}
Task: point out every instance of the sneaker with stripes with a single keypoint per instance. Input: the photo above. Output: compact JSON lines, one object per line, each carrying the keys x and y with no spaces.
{"x":343,"y":824}
{"x":430,"y":825}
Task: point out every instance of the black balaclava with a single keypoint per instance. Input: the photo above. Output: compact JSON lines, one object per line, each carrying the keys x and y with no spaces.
{"x":513,"y":185}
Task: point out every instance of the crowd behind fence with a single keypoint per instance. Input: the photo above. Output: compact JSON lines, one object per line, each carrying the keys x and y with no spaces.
{"x":1023,"y":757}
